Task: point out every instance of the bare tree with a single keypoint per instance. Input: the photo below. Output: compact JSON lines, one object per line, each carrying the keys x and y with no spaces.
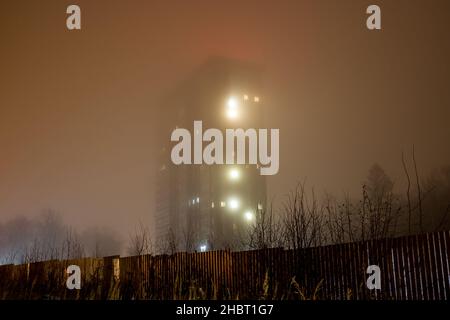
{"x":266,"y":232}
{"x":140,"y":242}
{"x":374,"y":216}
{"x":379,"y":216}
{"x":378,"y":183}
{"x":48,"y":238}
{"x":416,"y":219}
{"x":189,"y":236}
{"x":419,"y":191}
{"x":302,"y":220}
{"x":340,"y":220}
{"x":72,"y":248}
{"x":436,"y":204}
{"x":15,"y":236}
{"x":168,"y":245}
{"x":408,"y":192}
{"x":50,"y":234}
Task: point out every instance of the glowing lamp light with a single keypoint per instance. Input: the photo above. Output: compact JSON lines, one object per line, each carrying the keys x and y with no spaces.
{"x":232,"y":113}
{"x":234,"y":174}
{"x":233,"y":204}
{"x":249,"y":216}
{"x":203,"y":248}
{"x":232,"y":103}
{"x":232,"y":108}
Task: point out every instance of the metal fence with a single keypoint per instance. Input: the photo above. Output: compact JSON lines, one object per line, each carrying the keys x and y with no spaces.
{"x":412,"y":268}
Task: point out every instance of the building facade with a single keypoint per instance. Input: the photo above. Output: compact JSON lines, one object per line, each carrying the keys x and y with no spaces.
{"x":208,"y":207}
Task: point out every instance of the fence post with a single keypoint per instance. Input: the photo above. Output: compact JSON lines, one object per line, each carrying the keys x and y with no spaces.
{"x":111,"y":271}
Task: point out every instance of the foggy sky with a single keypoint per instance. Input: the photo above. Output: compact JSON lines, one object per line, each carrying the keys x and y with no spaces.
{"x":78,"y":108}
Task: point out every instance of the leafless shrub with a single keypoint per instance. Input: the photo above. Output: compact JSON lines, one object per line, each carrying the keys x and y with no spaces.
{"x":169,"y":244}
{"x":140,"y":241}
{"x":266,"y":232}
{"x":303,"y":219}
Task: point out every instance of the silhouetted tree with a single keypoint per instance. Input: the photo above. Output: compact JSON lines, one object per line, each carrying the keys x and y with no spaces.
{"x":140,"y":242}
{"x":265,"y":232}
{"x":378,"y":183}
{"x":303,"y":220}
{"x":436,"y":204}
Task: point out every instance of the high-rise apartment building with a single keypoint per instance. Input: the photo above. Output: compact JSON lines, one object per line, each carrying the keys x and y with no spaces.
{"x":205,"y":207}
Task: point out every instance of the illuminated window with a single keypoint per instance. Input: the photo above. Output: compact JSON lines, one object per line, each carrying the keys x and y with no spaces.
{"x":198,"y":200}
{"x":232,"y":103}
{"x":222,"y":204}
{"x":232,"y":108}
{"x":245,"y":97}
{"x":212,"y":204}
{"x":249,"y":216}
{"x":232,"y":113}
{"x":233,"y":204}
{"x":234,"y":174}
{"x":256,"y":99}
{"x":260,"y":207}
